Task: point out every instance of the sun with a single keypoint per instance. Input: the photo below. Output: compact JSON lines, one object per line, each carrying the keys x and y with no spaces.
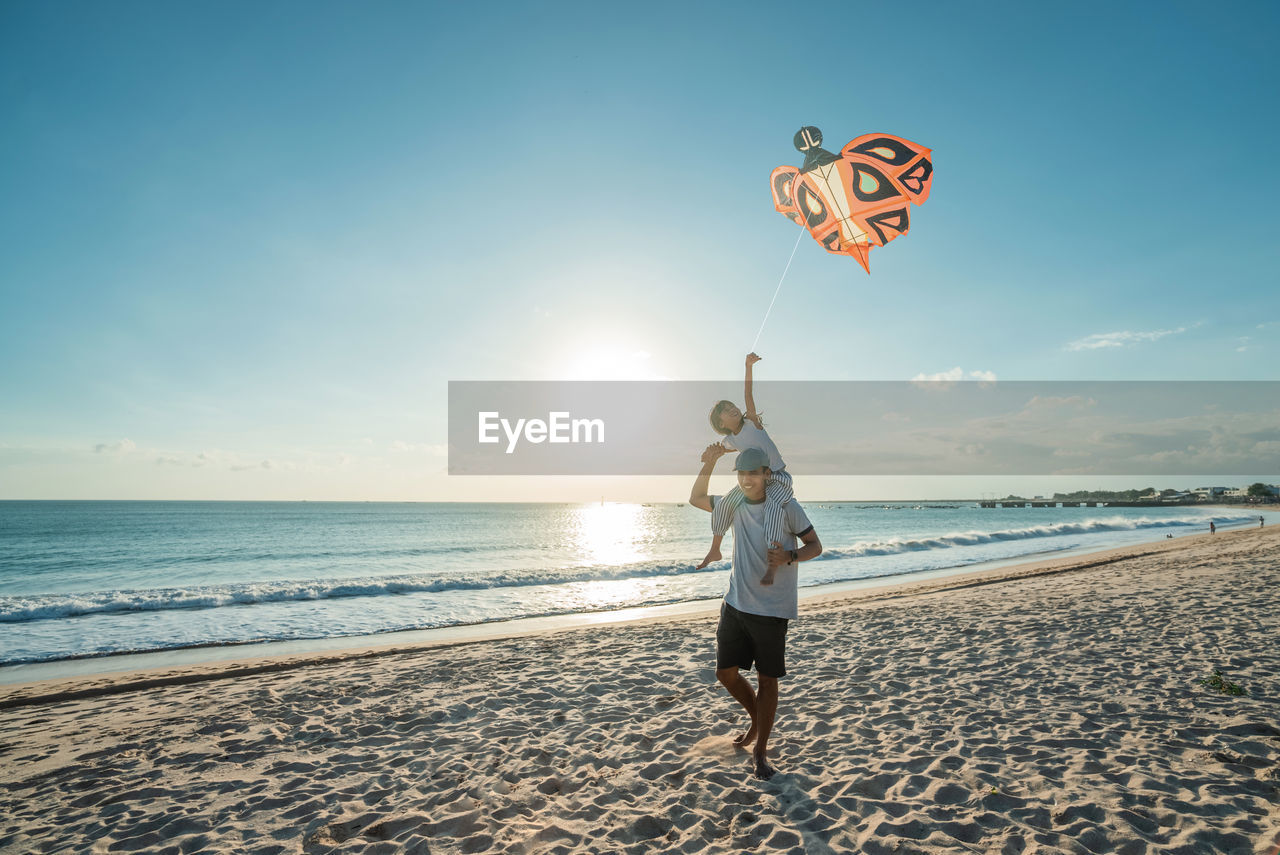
{"x":612,"y":362}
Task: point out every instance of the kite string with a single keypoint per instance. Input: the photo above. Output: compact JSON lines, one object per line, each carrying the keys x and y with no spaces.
{"x":776,"y":290}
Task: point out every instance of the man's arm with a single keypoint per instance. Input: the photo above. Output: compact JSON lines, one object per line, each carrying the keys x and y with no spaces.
{"x":751,"y":413}
{"x":698,"y":496}
{"x":812,"y":548}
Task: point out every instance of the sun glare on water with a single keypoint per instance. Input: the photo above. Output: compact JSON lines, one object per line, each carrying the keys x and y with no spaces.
{"x":610,"y":534}
{"x":613,"y":535}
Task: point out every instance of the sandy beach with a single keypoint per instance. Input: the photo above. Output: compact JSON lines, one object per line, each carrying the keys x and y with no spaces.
{"x":1051,"y":707}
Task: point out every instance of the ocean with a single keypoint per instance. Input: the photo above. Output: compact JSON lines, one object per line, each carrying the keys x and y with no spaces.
{"x":87,"y":579}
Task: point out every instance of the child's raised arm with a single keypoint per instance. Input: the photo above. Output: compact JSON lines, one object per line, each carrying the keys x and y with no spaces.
{"x":751,"y":413}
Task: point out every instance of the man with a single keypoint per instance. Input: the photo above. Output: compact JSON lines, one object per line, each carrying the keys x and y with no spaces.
{"x":754,"y":615}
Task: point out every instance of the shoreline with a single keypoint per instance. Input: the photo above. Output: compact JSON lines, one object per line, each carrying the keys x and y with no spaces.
{"x":228,"y":655}
{"x":1274,"y":503}
{"x":180,"y":666}
{"x":1048,"y":707}
{"x":198,"y":654}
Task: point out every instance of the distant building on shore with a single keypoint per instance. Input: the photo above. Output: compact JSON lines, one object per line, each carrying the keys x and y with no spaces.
{"x":1272,"y":491}
{"x":1155,"y":498}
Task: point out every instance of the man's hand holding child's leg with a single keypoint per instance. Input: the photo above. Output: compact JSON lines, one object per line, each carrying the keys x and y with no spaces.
{"x":777,"y":557}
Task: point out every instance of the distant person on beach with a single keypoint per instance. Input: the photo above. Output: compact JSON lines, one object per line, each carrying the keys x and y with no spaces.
{"x":1213,"y":529}
{"x":741,"y":431}
{"x":1259,"y":520}
{"x":754,"y":616}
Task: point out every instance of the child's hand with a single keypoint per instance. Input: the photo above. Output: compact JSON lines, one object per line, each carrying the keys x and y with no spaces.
{"x":713,"y":452}
{"x":752,"y":359}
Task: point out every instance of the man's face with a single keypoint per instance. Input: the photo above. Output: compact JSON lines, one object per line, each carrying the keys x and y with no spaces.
{"x":752,"y":483}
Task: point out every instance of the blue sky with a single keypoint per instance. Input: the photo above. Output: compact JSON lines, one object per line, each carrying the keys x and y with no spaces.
{"x":248,"y":245}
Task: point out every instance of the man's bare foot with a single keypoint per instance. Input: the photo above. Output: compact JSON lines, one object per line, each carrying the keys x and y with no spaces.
{"x":763,"y":769}
{"x":713,"y":555}
{"x":768,"y":577}
{"x":747,"y":738}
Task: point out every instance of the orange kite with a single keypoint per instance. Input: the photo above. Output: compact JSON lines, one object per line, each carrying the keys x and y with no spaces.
{"x":858,"y":198}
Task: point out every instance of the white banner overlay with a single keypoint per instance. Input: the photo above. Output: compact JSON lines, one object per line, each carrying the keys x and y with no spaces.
{"x":873,"y":427}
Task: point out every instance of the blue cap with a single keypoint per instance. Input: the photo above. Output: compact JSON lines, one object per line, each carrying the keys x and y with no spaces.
{"x":749,"y":459}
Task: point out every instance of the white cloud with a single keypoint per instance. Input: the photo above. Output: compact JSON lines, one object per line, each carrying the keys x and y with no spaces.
{"x":955,"y":375}
{"x":263,"y":464}
{"x":124,"y":446}
{"x":1123,"y":338}
{"x":438,"y":449}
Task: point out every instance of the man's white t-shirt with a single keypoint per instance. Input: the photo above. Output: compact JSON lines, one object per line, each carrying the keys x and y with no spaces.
{"x":751,"y":436}
{"x":751,"y":560}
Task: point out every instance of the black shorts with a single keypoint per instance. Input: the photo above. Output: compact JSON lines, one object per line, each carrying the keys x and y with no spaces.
{"x":742,"y":639}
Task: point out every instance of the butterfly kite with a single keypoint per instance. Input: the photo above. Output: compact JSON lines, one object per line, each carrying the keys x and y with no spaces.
{"x":858,"y":198}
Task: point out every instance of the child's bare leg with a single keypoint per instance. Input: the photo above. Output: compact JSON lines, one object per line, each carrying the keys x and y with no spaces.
{"x":721,"y":519}
{"x":714,"y":554}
